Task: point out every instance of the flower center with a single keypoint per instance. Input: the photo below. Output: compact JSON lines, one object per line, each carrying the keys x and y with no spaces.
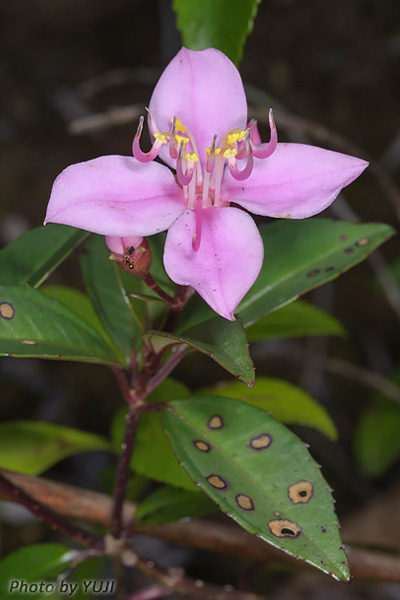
{"x":202,"y":189}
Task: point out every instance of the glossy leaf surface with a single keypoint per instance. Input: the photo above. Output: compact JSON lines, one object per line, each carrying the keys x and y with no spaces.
{"x":34,"y":563}
{"x":302,"y":255}
{"x":31,"y":447}
{"x":299,"y":256}
{"x":152,"y":455}
{"x":104,"y":284}
{"x":261,"y":474}
{"x":286,"y":402}
{"x":34,"y":325}
{"x":31,"y":258}
{"x":224,"y":24}
{"x":295,"y":320}
{"x":169,"y":504}
{"x":222,"y":340}
{"x":79,"y":303}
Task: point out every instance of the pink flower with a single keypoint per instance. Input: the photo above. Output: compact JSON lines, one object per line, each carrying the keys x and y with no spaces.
{"x":198,"y":117}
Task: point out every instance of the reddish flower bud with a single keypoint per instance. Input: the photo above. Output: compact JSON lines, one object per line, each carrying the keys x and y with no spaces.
{"x":135,"y":260}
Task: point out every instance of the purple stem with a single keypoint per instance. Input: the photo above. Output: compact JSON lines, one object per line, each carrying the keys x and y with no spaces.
{"x":123,"y":471}
{"x":166,"y":369}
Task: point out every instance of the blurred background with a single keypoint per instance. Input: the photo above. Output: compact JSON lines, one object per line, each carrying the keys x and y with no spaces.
{"x":74,"y":79}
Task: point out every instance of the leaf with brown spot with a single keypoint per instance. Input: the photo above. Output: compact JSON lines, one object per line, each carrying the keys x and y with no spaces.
{"x":253,"y":486}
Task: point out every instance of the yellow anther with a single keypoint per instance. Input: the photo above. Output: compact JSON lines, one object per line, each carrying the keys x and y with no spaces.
{"x":161,"y":137}
{"x":191,"y":157}
{"x":217,"y":151}
{"x":180,"y":139}
{"x":230,"y":153}
{"x":179,"y":126}
{"x":234,"y":138}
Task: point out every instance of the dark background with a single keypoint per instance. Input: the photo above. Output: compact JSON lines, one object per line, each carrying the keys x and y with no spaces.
{"x":336,"y":64}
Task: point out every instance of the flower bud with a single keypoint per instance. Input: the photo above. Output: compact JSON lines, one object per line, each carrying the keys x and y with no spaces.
{"x":132,"y":254}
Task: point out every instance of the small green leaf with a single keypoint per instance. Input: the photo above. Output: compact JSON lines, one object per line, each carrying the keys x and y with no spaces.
{"x":285,"y":402}
{"x":302,"y":255}
{"x":222,"y":340}
{"x":34,"y":325}
{"x":35,"y":563}
{"x":33,"y":257}
{"x":152,"y":455}
{"x":259,"y":473}
{"x":31,"y":447}
{"x":377,"y":440}
{"x":168,"y":504}
{"x":295,"y":320}
{"x":104,"y":285}
{"x":222,"y":24}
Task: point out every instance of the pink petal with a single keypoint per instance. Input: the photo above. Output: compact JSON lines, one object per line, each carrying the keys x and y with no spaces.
{"x":296,"y":182}
{"x":118,"y":245}
{"x":203,"y":89}
{"x":116,"y":196}
{"x":228,"y":261}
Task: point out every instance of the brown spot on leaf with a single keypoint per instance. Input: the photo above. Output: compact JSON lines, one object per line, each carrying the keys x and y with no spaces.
{"x":301,"y":492}
{"x":313,"y":273}
{"x":215,"y":422}
{"x":261,"y":442}
{"x":217,"y":482}
{"x":6,"y":311}
{"x":244,"y":502}
{"x":283,"y":528}
{"x":363,"y":242}
{"x":29,"y":342}
{"x":202,"y":446}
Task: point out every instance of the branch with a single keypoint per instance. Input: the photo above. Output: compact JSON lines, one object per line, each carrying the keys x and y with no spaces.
{"x":15,"y":493}
{"x":92,"y":507}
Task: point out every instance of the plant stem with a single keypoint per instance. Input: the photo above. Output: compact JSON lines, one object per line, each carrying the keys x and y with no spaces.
{"x":151,"y":283}
{"x":132,"y":419}
{"x":172,"y":361}
{"x":123,"y":471}
{"x":45,"y":514}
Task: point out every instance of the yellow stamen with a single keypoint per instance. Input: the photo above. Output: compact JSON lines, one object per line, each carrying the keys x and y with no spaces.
{"x":179,"y":140}
{"x":179,"y":126}
{"x":234,"y":138}
{"x":217,"y":151}
{"x":230,"y":153}
{"x":191,"y":157}
{"x":161,"y":137}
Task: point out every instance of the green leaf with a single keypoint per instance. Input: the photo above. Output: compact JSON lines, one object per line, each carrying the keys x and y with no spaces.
{"x":285,"y":402}
{"x":377,"y":440}
{"x":31,"y":447}
{"x":222,"y":340}
{"x":302,"y":255}
{"x":33,"y":257}
{"x":168,"y":504}
{"x":83,"y":576}
{"x":259,"y":473}
{"x":152,"y":455}
{"x":34,"y":325}
{"x":295,"y":320}
{"x":79,"y":303}
{"x":104,"y":282}
{"x":35,"y":563}
{"x":222,"y":24}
